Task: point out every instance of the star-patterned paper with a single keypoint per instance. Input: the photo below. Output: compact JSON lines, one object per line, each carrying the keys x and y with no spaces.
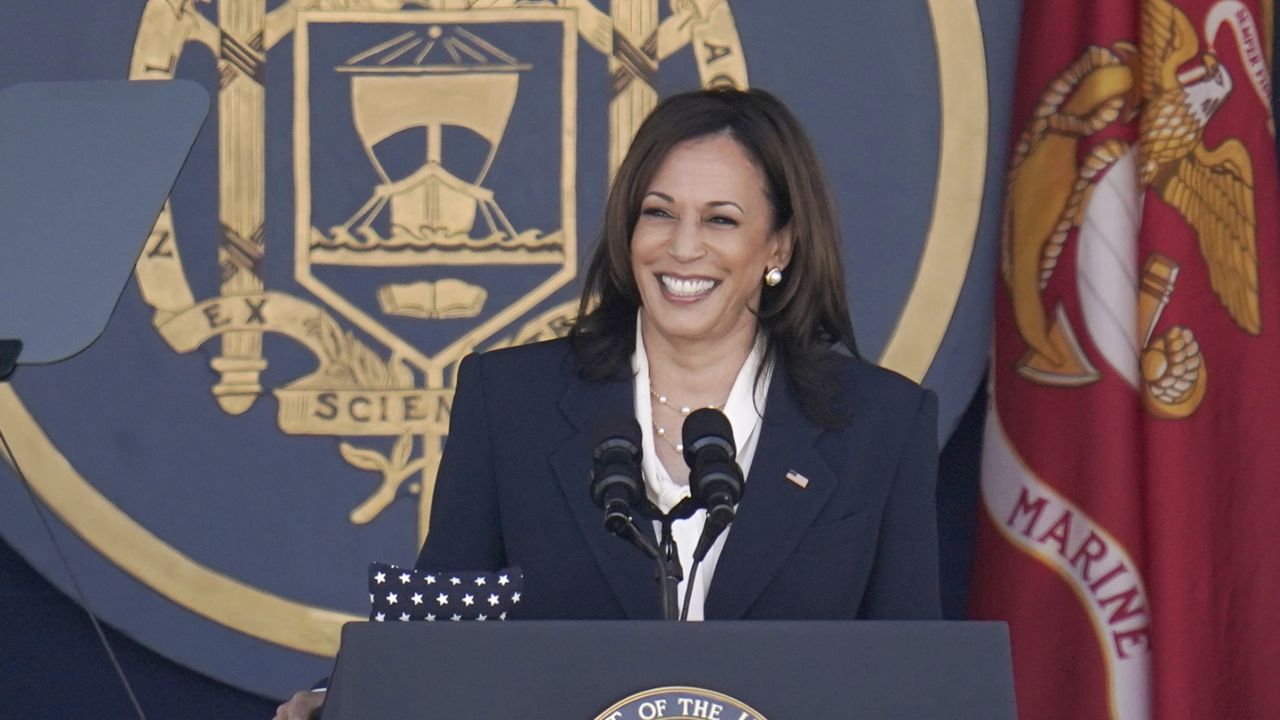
{"x":399,"y":594}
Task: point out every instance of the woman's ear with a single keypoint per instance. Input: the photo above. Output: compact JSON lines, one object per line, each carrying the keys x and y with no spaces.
{"x":783,"y":241}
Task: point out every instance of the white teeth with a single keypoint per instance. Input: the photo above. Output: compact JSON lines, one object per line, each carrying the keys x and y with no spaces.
{"x":682,"y":287}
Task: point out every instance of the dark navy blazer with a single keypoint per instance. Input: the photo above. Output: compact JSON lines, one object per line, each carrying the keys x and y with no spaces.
{"x":860,"y":541}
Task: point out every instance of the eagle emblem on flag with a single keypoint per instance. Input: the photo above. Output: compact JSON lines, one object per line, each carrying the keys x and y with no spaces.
{"x":1071,"y":163}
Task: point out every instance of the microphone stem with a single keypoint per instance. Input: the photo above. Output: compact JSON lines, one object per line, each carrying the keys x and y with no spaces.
{"x":637,"y":538}
{"x":669,"y":572}
{"x":688,"y":589}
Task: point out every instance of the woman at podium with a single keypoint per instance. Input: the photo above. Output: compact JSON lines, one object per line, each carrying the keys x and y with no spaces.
{"x":716,"y":282}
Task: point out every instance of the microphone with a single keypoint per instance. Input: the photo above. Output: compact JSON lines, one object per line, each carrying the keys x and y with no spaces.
{"x":715,"y":480}
{"x":617,"y":486}
{"x":616,"y":481}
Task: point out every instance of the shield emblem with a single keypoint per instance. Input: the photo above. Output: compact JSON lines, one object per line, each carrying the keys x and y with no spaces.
{"x":459,"y":215}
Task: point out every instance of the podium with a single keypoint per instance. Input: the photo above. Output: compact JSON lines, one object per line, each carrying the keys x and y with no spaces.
{"x":619,"y":670}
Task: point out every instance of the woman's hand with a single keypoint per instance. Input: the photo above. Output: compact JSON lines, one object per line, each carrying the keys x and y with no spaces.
{"x":302,"y":706}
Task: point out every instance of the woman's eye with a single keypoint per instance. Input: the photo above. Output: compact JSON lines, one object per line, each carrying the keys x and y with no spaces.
{"x":655,"y":212}
{"x":722,"y":220}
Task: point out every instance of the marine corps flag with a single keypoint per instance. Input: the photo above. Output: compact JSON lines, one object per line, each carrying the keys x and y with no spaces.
{"x":1131,"y":474}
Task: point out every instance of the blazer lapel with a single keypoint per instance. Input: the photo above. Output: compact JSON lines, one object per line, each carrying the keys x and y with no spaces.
{"x":774,"y":513}
{"x":628,"y":572}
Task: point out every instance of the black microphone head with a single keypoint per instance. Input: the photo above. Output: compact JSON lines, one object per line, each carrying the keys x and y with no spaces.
{"x":715,"y":480}
{"x":707,"y":429}
{"x":621,"y":435}
{"x":616,"y":474}
{"x":717,"y":484}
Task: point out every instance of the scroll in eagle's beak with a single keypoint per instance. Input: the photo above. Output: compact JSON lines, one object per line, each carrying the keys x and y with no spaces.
{"x":1209,"y":67}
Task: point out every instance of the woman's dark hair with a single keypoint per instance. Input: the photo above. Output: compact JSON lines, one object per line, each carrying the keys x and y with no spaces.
{"x":803,"y":315}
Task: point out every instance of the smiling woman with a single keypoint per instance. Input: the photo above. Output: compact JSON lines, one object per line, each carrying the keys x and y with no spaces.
{"x":716,"y":282}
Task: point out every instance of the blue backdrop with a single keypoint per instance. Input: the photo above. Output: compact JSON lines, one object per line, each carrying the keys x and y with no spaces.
{"x":258,"y":504}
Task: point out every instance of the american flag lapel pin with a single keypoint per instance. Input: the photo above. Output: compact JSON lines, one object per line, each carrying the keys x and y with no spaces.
{"x":797,"y":479}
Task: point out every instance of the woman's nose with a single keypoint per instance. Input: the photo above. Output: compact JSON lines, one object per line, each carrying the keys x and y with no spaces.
{"x":686,"y":242}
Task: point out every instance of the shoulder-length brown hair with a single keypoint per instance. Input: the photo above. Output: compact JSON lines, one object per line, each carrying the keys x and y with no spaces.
{"x":803,"y":316}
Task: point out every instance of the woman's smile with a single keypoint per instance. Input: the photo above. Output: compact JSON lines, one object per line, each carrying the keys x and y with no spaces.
{"x":685,"y":288}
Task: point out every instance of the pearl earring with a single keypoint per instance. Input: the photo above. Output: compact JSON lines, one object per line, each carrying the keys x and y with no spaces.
{"x":773,"y":276}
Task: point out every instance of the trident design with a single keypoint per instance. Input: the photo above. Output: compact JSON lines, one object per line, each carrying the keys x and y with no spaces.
{"x":241,"y":173}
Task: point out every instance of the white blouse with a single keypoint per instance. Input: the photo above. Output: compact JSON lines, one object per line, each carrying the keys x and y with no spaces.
{"x":744,"y":408}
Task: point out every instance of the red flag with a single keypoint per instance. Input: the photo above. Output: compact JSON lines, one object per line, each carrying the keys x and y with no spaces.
{"x":1131,"y":469}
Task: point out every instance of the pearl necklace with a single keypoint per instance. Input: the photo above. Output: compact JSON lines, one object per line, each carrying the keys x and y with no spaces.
{"x":684,"y":411}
